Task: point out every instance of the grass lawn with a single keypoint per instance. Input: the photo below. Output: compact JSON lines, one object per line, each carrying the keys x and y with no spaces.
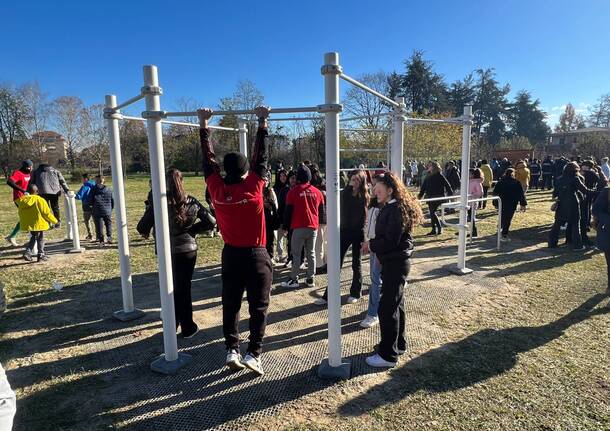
{"x":533,"y":356}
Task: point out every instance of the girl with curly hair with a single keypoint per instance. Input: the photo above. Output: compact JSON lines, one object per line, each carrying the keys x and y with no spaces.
{"x":393,"y":246}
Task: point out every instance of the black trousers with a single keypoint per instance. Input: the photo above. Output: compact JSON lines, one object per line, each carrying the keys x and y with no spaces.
{"x":547,"y":182}
{"x":100,"y":222}
{"x":53,"y":201}
{"x":392,"y":309}
{"x":270,"y":233}
{"x":573,"y":233}
{"x":37,"y":237}
{"x":607,"y":254}
{"x":508,"y":212}
{"x":183,"y":265}
{"x":534,"y":180}
{"x":354,"y":240}
{"x":483,"y":204}
{"x":436,"y":222}
{"x":249,"y":269}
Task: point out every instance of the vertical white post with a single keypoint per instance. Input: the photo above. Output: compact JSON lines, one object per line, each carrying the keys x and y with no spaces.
{"x":396,"y":162}
{"x":463,"y":225}
{"x":334,"y":367}
{"x":171,"y":361}
{"x":76,"y":248}
{"x":67,"y":218}
{"x":129,"y":312}
{"x":243,"y":137}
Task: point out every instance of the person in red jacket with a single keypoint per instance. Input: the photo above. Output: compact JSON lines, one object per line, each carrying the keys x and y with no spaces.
{"x":238,"y":202}
{"x":19,"y":183}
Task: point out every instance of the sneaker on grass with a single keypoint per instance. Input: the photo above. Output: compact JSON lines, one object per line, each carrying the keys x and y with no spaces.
{"x":320,"y":301}
{"x":233,"y":361}
{"x":369,"y":321}
{"x":12,"y":241}
{"x":351,"y":299}
{"x":252,"y":362}
{"x":310,"y":282}
{"x":377,"y":361}
{"x":290,"y":283}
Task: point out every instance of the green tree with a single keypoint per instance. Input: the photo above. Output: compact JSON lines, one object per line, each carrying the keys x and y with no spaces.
{"x":462,"y":93}
{"x":424,"y":90}
{"x":526,"y":119}
{"x":490,"y":106}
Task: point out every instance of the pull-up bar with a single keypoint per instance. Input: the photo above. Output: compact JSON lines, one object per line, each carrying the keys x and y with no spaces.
{"x":367,"y":130}
{"x":366,"y":117}
{"x":129,"y":102}
{"x":244,"y":112}
{"x":363,"y":150}
{"x":369,"y":90}
{"x":180,"y":123}
{"x":415,"y":121}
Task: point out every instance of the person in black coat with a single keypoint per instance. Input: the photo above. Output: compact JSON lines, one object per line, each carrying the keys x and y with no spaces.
{"x":453,"y":176}
{"x":535,"y":171}
{"x":592,"y":181}
{"x":393,"y":246}
{"x":184,"y":211}
{"x":102,"y":205}
{"x":571,"y":194}
{"x":511,"y":193}
{"x":435,"y":185}
{"x":601,"y":212}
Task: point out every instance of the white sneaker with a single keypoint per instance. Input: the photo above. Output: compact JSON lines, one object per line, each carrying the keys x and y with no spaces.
{"x":12,"y":241}
{"x":234,"y":360}
{"x":320,"y":301}
{"x":378,"y":362}
{"x":290,"y":283}
{"x":351,"y":299}
{"x":369,"y":321}
{"x":253,"y":363}
{"x":303,"y":266}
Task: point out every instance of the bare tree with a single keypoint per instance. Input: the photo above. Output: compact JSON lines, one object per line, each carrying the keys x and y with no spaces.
{"x":188,"y":104}
{"x":13,"y":115}
{"x":38,"y":111}
{"x":69,"y":115}
{"x":600,"y":113}
{"x":360,"y":103}
{"x":94,"y":135}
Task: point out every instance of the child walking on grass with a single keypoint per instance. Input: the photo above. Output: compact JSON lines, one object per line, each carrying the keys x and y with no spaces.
{"x":34,"y":217}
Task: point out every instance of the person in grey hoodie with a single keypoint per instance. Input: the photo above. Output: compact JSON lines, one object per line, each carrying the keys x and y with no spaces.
{"x":50,"y":183}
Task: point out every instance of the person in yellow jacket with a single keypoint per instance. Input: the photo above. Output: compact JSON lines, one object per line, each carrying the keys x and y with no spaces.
{"x":488,"y":178}
{"x":34,"y":217}
{"x":522,"y":174}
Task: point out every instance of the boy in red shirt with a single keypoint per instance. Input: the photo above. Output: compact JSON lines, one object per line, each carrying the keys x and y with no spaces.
{"x":19,"y":183}
{"x":304,"y":213}
{"x":238,"y":202}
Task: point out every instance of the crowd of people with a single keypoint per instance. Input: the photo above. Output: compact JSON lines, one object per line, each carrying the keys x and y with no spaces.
{"x":282,"y":223}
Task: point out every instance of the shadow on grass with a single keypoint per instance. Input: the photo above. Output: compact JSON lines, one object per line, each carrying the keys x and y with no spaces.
{"x":481,"y":356}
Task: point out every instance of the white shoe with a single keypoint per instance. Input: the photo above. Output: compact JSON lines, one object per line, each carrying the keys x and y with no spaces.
{"x":234,"y":360}
{"x":378,"y":362}
{"x":351,"y":299}
{"x":320,"y":301}
{"x":12,"y":241}
{"x":253,"y":363}
{"x":303,"y":266}
{"x":369,"y":321}
{"x":290,"y":283}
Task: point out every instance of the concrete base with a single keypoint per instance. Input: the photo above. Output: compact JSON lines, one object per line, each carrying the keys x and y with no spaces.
{"x":124,"y":316}
{"x":76,"y":250}
{"x":160,"y":365}
{"x":457,"y":271}
{"x":342,"y":372}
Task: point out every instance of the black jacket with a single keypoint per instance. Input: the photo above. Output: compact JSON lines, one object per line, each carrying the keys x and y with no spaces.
{"x":510,"y":191}
{"x":353,"y":211}
{"x":453,"y":177}
{"x":435,"y":186}
{"x":102,"y":202}
{"x":535,"y":169}
{"x":391,"y":241}
{"x":570,"y":193}
{"x":548,"y":167}
{"x":182,"y":236}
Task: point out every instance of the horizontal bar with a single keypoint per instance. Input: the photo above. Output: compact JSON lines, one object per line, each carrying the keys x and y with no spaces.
{"x":179,"y":123}
{"x":369,"y":90}
{"x":129,"y":102}
{"x":366,"y":117}
{"x":367,"y":130}
{"x":364,"y":169}
{"x":245,"y":112}
{"x":444,"y":198}
{"x":365,"y":150}
{"x":297,"y":119}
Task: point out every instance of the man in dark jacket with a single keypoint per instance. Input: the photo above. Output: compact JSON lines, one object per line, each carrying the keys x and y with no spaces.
{"x":547,"y":169}
{"x":511,"y":193}
{"x":535,"y":171}
{"x":50,"y":183}
{"x":453,"y":176}
{"x":102,"y":204}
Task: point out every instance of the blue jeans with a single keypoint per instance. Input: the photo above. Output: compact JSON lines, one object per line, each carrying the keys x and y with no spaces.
{"x":375,"y":289}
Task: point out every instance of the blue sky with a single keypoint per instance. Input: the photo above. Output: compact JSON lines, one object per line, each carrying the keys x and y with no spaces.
{"x":558,"y":50}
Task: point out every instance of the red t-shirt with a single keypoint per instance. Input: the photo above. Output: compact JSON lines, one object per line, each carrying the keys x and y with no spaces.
{"x":22,"y":180}
{"x":305,"y":200}
{"x":239,"y":210}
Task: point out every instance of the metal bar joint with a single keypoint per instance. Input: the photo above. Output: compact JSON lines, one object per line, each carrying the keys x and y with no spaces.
{"x":153,"y":90}
{"x":330,"y":107}
{"x":331,"y":69}
{"x":153,"y":115}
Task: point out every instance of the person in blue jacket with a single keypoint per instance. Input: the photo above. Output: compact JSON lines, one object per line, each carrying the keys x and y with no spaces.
{"x":84,"y":195}
{"x":601,"y":212}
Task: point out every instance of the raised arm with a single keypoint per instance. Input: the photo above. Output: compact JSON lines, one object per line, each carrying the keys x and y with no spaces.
{"x":210,"y":165}
{"x":260,"y":154}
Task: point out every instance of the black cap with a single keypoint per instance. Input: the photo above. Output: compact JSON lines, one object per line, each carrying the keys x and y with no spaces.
{"x":303,"y":174}
{"x":236,"y":165}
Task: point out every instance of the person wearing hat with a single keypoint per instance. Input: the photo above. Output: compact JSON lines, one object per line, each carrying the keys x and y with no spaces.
{"x":238,"y":202}
{"x":303,"y":215}
{"x":19,"y":183}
